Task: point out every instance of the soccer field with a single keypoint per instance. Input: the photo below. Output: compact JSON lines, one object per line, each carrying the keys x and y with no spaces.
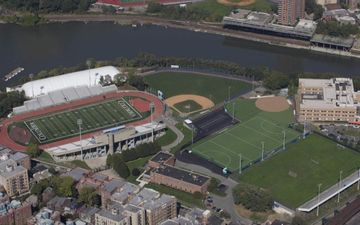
{"x":256,"y":129}
{"x":293,"y":176}
{"x":60,"y":125}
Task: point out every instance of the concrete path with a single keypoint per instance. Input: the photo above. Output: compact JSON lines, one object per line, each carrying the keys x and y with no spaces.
{"x":170,"y":123}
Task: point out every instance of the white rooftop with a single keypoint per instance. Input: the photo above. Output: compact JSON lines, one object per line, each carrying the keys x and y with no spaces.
{"x":86,"y":77}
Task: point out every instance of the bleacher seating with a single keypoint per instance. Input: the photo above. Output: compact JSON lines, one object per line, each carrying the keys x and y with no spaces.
{"x":62,"y":96}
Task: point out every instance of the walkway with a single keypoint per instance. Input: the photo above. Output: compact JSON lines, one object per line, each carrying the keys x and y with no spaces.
{"x":170,"y":123}
{"x":330,"y":192}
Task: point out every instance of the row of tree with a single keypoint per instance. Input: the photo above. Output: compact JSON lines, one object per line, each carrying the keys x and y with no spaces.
{"x":10,"y":100}
{"x":334,"y":28}
{"x":253,"y":198}
{"x":46,"y":6}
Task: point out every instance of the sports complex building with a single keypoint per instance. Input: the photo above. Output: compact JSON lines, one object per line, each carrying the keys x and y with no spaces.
{"x":72,"y":117}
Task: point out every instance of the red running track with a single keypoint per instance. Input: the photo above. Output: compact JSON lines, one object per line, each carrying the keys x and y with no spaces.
{"x":5,"y":140}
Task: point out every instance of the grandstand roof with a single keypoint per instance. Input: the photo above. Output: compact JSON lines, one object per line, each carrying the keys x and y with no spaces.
{"x":80,"y":78}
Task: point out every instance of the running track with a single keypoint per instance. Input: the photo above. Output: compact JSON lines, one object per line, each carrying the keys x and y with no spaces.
{"x":8,"y":142}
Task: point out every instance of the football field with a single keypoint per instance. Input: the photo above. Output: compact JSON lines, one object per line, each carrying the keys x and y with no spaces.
{"x":60,"y":125}
{"x":258,"y":134}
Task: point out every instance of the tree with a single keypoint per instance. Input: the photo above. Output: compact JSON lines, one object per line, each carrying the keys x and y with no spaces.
{"x":252,"y":198}
{"x":39,"y":187}
{"x":33,"y":150}
{"x":120,"y":166}
{"x":64,"y":186}
{"x":214,"y":183}
{"x":135,"y":172}
{"x":312,"y":7}
{"x":89,"y":196}
{"x":137,"y":82}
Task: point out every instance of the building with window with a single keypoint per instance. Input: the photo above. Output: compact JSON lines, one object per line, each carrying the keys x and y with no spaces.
{"x":290,"y":11}
{"x":327,"y":100}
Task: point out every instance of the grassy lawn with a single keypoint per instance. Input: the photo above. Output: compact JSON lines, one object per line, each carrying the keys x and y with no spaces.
{"x":45,"y":157}
{"x":187,"y":106}
{"x":183,"y":197}
{"x":292,"y":176}
{"x":261,"y":6}
{"x":167,"y":139}
{"x":138,"y":163}
{"x":214,"y":88}
{"x":217,"y":10}
{"x":187,"y":137}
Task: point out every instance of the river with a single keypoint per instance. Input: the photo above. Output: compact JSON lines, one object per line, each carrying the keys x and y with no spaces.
{"x":68,"y":44}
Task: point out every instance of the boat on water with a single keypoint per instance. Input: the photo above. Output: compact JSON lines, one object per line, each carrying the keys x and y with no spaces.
{"x":13,"y":73}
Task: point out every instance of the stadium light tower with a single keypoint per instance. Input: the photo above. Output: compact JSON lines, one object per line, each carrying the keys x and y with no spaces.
{"x":318,"y":200}
{"x":284,"y":140}
{"x":229,"y":90}
{"x":79,"y":123}
{"x":338,"y":200}
{"x":262,"y":150}
{"x":151,"y":111}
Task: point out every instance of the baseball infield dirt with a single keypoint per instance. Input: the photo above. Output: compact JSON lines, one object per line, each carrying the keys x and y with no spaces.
{"x":204,"y":102}
{"x":240,"y":3}
{"x":272,"y":104}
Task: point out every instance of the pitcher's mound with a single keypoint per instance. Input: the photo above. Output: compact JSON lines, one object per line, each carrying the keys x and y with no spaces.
{"x":272,"y":104}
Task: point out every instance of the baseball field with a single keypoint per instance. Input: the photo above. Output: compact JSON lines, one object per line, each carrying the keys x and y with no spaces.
{"x":63,"y":124}
{"x":293,"y":176}
{"x":214,"y":88}
{"x":258,"y":134}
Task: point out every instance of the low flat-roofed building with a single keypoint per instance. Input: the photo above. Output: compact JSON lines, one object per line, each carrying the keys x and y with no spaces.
{"x":161,"y":158}
{"x":260,"y":22}
{"x":337,"y":43}
{"x":179,"y":179}
{"x":327,"y":100}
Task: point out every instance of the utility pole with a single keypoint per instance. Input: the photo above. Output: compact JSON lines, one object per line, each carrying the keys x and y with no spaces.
{"x":79,"y":123}
{"x":240,"y":162}
{"x":262,"y":150}
{"x":338,"y":200}
{"x":318,"y":200}
{"x":284,"y":132}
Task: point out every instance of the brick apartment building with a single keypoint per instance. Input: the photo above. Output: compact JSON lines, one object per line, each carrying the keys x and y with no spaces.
{"x":14,"y":213}
{"x":290,"y":11}
{"x":327,"y":100}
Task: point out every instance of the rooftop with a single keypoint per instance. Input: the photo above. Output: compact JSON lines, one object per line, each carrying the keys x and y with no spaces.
{"x":161,"y":157}
{"x":77,"y":173}
{"x":184,"y":175}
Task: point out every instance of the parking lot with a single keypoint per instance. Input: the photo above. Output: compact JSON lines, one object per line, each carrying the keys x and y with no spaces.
{"x":345,"y":133}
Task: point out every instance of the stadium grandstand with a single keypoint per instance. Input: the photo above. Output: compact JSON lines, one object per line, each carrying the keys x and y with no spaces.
{"x":108,"y":141}
{"x":62,"y":96}
{"x":89,"y":78}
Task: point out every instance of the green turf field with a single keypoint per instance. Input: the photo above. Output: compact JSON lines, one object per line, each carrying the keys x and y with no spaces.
{"x":60,"y":125}
{"x":292,"y":176}
{"x":214,"y":88}
{"x":246,"y":138}
{"x":187,"y":106}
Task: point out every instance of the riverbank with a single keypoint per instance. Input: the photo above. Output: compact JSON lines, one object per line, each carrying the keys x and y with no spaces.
{"x":204,"y":27}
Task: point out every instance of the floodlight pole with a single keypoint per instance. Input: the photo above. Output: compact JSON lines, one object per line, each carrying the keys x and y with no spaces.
{"x":338,"y":200}
{"x":79,"y":122}
{"x":192,"y":135}
{"x":318,"y":200}
{"x":233,"y":111}
{"x":240,"y":162}
{"x":262,"y":150}
{"x":229,"y":89}
{"x":284,"y":132}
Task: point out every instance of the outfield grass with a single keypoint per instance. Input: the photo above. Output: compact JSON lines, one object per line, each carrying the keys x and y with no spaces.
{"x":187,"y":106}
{"x":214,"y":88}
{"x":293,"y":175}
{"x":60,"y":125}
{"x":246,"y":138}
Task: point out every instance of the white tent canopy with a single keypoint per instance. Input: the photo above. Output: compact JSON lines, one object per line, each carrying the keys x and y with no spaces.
{"x":86,"y":77}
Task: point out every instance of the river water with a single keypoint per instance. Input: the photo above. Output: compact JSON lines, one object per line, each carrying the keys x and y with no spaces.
{"x":68,"y":44}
